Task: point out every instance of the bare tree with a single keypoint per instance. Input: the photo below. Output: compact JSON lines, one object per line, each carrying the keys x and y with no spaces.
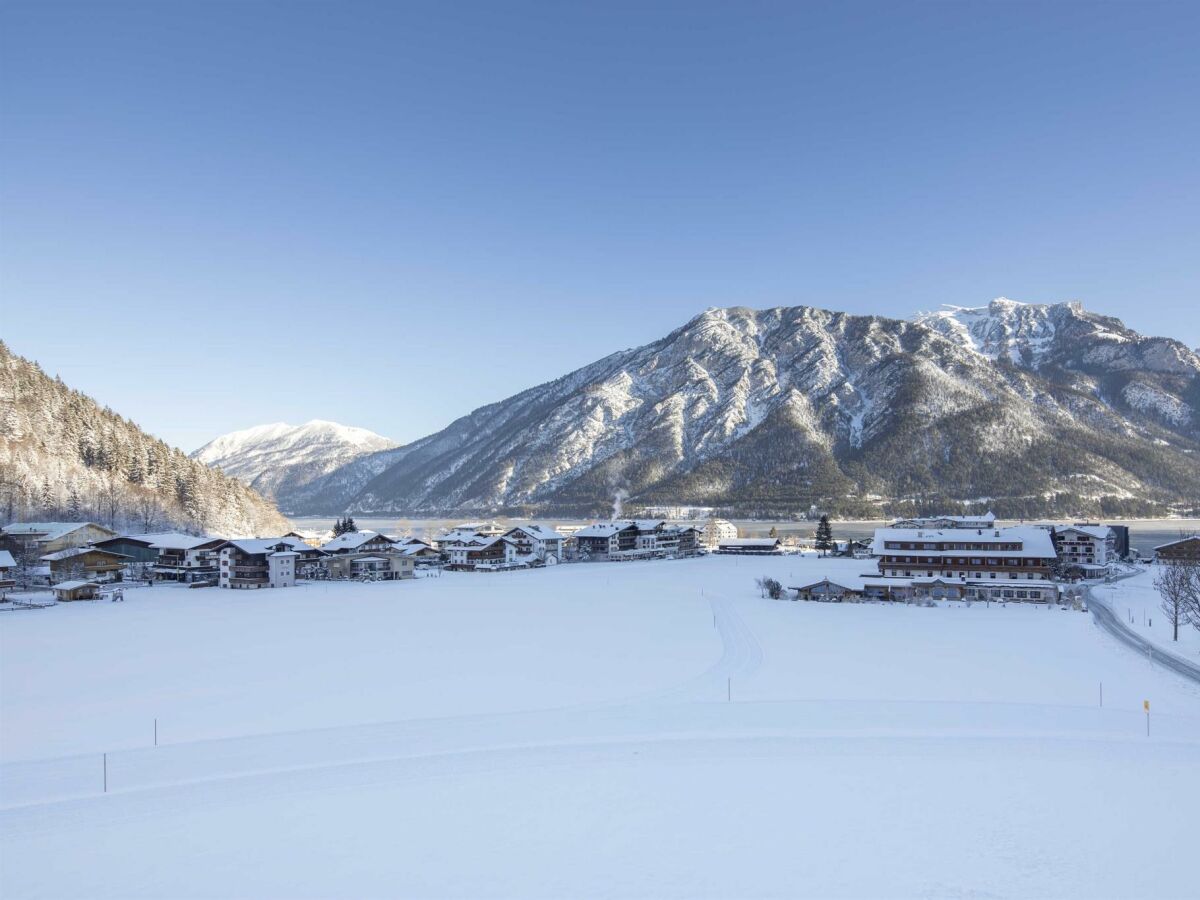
{"x":1179,"y":585}
{"x":110,"y":498}
{"x":147,"y":510}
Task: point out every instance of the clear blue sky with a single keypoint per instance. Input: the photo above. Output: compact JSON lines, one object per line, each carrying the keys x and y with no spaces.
{"x":218,"y":214}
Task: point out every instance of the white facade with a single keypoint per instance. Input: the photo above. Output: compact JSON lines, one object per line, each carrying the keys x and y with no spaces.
{"x":538,"y":541}
{"x":281,"y":568}
{"x":1085,"y":545}
{"x":718,"y":530}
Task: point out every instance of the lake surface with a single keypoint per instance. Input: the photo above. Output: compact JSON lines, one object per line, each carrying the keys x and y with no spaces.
{"x":1144,"y":534}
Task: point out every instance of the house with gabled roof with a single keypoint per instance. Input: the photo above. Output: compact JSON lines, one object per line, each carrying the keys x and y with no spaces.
{"x":359,"y":542}
{"x":537,"y":541}
{"x":250,"y":563}
{"x":49,"y":537}
{"x":90,"y":563}
{"x":494,"y":552}
{"x":1184,"y":550}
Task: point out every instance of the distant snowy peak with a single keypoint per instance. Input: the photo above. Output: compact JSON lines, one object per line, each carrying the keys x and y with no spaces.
{"x":280,"y":434}
{"x":279,"y":459}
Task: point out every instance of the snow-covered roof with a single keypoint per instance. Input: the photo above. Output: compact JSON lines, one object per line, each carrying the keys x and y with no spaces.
{"x":1035,"y":542}
{"x":1101,"y":532}
{"x":413,"y":549}
{"x":286,"y":553}
{"x":1182,"y":540}
{"x":72,"y":585}
{"x":72,"y":552}
{"x":482,"y":543}
{"x":263,"y":545}
{"x":537,"y":530}
{"x":845,"y":572}
{"x":170,"y":540}
{"x":457,"y":534}
{"x":602,"y":529}
{"x":50,"y":530}
{"x":352,"y":540}
{"x":647,"y":524}
{"x":6,"y":560}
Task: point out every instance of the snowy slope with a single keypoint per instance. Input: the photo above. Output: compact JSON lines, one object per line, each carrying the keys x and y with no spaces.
{"x":567,"y":732}
{"x":64,"y":456}
{"x":284,"y":461}
{"x":1136,"y":375}
{"x":774,"y":410}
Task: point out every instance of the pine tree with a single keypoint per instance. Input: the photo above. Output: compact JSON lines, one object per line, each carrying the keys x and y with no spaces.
{"x":824,"y":541}
{"x":349,"y":525}
{"x":74,"y":504}
{"x":49,"y":507}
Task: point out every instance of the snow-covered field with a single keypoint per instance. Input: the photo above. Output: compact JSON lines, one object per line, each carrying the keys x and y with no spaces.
{"x":640,"y":729}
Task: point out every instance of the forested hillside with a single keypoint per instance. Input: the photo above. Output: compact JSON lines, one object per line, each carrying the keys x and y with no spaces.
{"x":64,"y":457}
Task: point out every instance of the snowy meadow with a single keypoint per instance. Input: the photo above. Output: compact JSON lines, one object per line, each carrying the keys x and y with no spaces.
{"x":636,"y":729}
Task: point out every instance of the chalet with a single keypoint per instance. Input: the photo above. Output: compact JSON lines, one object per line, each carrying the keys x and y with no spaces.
{"x":391,"y":566}
{"x":851,"y":549}
{"x":540,"y":542}
{"x":756,"y":546}
{"x":263,"y":562}
{"x":605,"y":540}
{"x":1184,"y":550}
{"x":90,"y":563}
{"x":686,"y":538}
{"x":1023,"y":553}
{"x":66,"y":591}
{"x":459,"y":535}
{"x":8,"y":567}
{"x":418,"y":551}
{"x":173,"y":556}
{"x":1091,"y":548}
{"x":495,"y":552}
{"x":359,"y":542}
{"x":48,"y":537}
{"x":828,"y":591}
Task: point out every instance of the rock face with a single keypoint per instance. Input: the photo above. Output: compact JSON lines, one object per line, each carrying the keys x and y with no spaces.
{"x":288,"y":462}
{"x":64,"y":457}
{"x":1028,"y":408}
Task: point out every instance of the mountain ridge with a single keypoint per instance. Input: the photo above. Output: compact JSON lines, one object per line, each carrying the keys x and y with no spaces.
{"x":1029,"y":408}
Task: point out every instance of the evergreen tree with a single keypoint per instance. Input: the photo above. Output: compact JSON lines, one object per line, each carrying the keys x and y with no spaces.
{"x":74,"y":504}
{"x":349,"y":525}
{"x":824,"y":541}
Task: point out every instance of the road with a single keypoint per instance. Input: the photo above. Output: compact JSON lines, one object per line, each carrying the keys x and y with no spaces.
{"x":1110,"y":622}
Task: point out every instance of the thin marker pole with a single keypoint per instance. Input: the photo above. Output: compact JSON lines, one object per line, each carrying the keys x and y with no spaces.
{"x":1102,"y":693}
{"x":106,"y":773}
{"x":156,"y":732}
{"x":729,"y":690}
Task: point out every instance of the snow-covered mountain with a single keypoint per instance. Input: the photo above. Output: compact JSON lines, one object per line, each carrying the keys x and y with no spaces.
{"x":1151,"y":376}
{"x":284,"y":461}
{"x":777,"y":409}
{"x":64,"y":457}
